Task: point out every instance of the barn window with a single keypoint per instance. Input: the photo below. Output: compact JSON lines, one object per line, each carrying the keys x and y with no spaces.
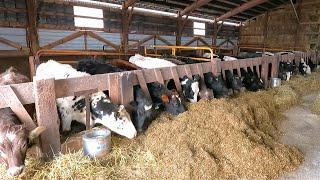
{"x":83,"y":12}
{"x":199,"y":29}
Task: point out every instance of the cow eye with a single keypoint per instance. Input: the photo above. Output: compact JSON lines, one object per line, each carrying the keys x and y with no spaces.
{"x":24,"y":145}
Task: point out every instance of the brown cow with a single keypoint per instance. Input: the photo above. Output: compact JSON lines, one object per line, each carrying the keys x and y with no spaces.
{"x":14,"y":137}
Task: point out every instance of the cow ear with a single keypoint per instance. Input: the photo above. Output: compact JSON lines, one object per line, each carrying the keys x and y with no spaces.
{"x":196,"y":78}
{"x":36,"y":132}
{"x":165,"y":98}
{"x":121,"y":107}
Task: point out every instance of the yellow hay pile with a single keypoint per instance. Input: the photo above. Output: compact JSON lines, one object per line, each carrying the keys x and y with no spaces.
{"x":219,"y":139}
{"x":316,"y":105}
{"x":305,"y":84}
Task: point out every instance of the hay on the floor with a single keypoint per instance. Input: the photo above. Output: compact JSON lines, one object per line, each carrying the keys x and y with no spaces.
{"x":219,"y":139}
{"x":303,"y":85}
{"x":316,"y":105}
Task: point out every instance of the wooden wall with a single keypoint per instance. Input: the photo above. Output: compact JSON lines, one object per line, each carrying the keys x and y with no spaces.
{"x":279,"y":29}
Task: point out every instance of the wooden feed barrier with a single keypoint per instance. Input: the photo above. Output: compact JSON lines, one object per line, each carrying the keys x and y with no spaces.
{"x":44,"y":92}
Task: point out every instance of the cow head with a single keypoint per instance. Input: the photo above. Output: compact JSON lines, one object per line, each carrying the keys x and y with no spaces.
{"x":190,"y":88}
{"x":142,"y":110}
{"x":173,"y":103}
{"x":206,"y":93}
{"x":13,"y":147}
{"x":114,"y":117}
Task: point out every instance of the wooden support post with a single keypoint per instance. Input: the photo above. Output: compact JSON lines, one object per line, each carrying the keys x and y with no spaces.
{"x":265,"y":30}
{"x":179,"y":30}
{"x":297,"y":37}
{"x":87,"y":96}
{"x":200,"y":71}
{"x":187,"y":71}
{"x":216,"y":67}
{"x":174,"y":73}
{"x":32,"y":66}
{"x":32,"y":32}
{"x":143,"y":83}
{"x":121,"y":88}
{"x":275,"y":66}
{"x":126,"y":19}
{"x":215,"y":33}
{"x":264,"y":71}
{"x":125,"y":31}
{"x":159,"y":76}
{"x":47,"y":115}
{"x":85,"y":38}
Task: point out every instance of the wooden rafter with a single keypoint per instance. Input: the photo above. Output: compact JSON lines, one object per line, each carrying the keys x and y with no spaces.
{"x":101,"y":39}
{"x":191,"y":41}
{"x":63,"y":40}
{"x":203,"y":41}
{"x":163,"y":40}
{"x":240,"y":9}
{"x":12,"y":44}
{"x":142,"y":41}
{"x":197,"y":4}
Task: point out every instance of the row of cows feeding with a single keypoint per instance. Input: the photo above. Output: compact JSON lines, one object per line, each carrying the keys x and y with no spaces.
{"x":125,"y":121}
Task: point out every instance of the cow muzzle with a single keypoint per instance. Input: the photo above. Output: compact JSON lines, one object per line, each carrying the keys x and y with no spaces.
{"x":14,"y":171}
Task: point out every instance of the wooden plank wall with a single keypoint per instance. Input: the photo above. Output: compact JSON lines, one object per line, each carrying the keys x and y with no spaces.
{"x":282,"y":31}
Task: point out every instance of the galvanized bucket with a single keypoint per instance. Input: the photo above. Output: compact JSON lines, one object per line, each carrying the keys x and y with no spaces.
{"x":96,"y":143}
{"x":275,"y":82}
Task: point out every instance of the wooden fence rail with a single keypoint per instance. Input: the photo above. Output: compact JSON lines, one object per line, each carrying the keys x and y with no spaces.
{"x":43,"y":92}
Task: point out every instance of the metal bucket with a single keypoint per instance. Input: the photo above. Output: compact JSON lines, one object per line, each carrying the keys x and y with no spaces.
{"x":96,"y":143}
{"x":275,"y":82}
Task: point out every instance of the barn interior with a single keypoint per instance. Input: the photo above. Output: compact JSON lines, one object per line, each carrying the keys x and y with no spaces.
{"x":269,"y":134}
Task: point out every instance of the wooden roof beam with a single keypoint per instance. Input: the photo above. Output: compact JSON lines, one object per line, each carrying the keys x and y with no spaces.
{"x":129,"y":3}
{"x":240,"y":9}
{"x":193,"y":7}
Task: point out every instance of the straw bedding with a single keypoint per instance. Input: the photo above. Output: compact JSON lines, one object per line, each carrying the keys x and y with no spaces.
{"x":219,"y":139}
{"x":316,"y":105}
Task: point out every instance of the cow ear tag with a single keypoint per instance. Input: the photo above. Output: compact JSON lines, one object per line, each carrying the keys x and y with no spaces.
{"x":165,"y":98}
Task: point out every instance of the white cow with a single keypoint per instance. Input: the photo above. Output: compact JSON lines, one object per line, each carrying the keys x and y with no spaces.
{"x":229,"y":58}
{"x":150,"y":63}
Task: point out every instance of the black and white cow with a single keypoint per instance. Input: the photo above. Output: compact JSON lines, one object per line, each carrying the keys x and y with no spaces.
{"x":103,"y":111}
{"x":304,"y":69}
{"x":285,"y":70}
{"x":190,"y":87}
{"x":142,"y":107}
{"x":15,"y":138}
{"x":234,"y":82}
{"x":143,"y":112}
{"x":216,"y":84}
{"x":94,"y":67}
{"x":311,"y":64}
{"x":251,"y":80}
{"x":165,"y":99}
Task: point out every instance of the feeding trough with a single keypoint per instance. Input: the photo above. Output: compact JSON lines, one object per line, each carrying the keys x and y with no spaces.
{"x":275,"y":82}
{"x":96,"y":142}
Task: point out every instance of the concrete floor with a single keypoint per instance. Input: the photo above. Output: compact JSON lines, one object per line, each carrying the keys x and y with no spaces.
{"x":302,"y":129}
